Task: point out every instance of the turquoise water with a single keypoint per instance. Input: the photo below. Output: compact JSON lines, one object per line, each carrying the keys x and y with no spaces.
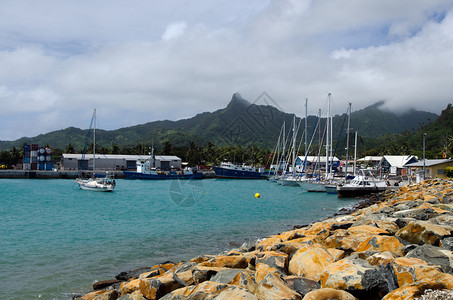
{"x":57,"y":240}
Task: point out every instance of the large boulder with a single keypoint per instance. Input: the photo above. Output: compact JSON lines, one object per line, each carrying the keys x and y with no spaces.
{"x":415,"y":290}
{"x":409,"y":270}
{"x":329,"y":294}
{"x":235,"y":261}
{"x":129,"y":287}
{"x":157,"y":287}
{"x":278,"y":260}
{"x":435,"y":256}
{"x":204,"y":273}
{"x":210,"y":290}
{"x":150,"y":272}
{"x":366,"y":230}
{"x":356,"y":276}
{"x":382,"y":244}
{"x":421,"y":232}
{"x":137,"y":295}
{"x":273,"y":287}
{"x":310,"y":262}
{"x":262,"y":270}
{"x":102,"y":295}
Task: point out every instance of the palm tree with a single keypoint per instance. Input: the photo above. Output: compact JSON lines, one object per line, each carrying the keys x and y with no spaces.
{"x":115,"y":149}
{"x":69,"y":149}
{"x":168,"y":148}
{"x":210,"y":153}
{"x":193,"y":154}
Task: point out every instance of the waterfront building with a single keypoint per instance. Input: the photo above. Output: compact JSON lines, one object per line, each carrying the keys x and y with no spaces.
{"x":116,"y":162}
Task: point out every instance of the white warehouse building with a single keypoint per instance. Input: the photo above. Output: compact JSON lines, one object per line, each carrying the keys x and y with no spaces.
{"x":116,"y":162}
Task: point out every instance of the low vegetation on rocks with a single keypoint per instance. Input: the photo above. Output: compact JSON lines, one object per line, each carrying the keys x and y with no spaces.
{"x":400,"y":246}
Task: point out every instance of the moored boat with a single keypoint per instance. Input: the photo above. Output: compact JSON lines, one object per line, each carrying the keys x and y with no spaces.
{"x":97,"y":184}
{"x":233,"y":171}
{"x":362,"y":185}
{"x":146,"y":170}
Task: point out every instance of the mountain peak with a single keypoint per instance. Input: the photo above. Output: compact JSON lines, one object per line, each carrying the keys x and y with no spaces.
{"x":237,"y":100}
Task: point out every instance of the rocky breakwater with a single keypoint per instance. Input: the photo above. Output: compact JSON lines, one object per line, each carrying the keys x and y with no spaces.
{"x":398,"y":247}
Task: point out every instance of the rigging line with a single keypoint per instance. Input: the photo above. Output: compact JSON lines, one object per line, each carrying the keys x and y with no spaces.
{"x":88,"y":135}
{"x":311,"y":140}
{"x":318,"y":164}
{"x":339,"y":136}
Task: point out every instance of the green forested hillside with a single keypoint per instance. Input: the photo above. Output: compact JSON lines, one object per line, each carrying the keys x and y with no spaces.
{"x":239,"y":123}
{"x":438,"y":139}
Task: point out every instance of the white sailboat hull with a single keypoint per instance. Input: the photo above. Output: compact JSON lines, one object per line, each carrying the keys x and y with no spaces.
{"x":96,"y":185}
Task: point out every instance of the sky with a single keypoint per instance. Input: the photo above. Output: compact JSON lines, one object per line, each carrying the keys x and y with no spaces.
{"x":138,"y":61}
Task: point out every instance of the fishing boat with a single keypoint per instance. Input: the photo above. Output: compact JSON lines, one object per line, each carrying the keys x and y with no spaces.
{"x":96,"y":183}
{"x":233,"y":171}
{"x":146,"y":169}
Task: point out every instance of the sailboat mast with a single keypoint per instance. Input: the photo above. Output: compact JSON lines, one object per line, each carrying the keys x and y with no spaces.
{"x":331,"y":136}
{"x":355,"y":153}
{"x":328,"y":135}
{"x":294,"y":145}
{"x":306,"y":124}
{"x":347,"y":141}
{"x":94,"y":141}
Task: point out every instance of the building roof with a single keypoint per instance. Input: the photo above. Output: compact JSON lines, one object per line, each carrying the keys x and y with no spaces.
{"x":322,"y":159}
{"x":120,"y":156}
{"x":370,"y":158}
{"x":166,"y":157}
{"x":398,"y":160}
{"x":429,"y":162}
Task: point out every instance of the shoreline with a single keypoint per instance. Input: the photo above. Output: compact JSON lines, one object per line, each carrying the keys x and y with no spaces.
{"x":41,"y":174}
{"x":372,"y":242}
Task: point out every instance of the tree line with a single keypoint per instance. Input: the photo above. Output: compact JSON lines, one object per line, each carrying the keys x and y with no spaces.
{"x":191,"y":153}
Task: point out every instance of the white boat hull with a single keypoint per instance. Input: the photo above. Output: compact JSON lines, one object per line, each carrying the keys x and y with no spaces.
{"x":95,"y":185}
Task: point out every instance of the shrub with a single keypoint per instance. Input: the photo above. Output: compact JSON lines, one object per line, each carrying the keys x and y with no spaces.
{"x":449,"y":171}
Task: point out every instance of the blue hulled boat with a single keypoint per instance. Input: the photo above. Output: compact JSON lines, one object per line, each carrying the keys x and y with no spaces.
{"x":232,"y":171}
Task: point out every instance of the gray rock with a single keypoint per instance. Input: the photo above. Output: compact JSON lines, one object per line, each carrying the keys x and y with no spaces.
{"x":130,"y":297}
{"x":402,"y":222}
{"x":416,"y":213}
{"x":127,"y":275}
{"x":100,"y":285}
{"x":385,"y":210}
{"x":447,"y":199}
{"x":405,"y":205}
{"x":225,"y":276}
{"x":390,"y":276}
{"x":409,"y":248}
{"x":447,"y":243}
{"x":432,"y":255}
{"x":301,"y":285}
{"x":185,"y":267}
{"x":200,"y":276}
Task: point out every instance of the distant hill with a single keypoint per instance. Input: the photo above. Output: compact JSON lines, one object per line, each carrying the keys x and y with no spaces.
{"x":239,"y":123}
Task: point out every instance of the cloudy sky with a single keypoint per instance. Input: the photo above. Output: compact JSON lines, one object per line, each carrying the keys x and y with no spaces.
{"x":137,"y":61}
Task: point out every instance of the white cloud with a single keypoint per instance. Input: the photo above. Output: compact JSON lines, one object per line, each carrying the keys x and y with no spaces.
{"x":62,"y":59}
{"x":174,"y":30}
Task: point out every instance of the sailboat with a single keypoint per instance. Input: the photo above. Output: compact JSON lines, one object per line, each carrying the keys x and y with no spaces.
{"x":97,"y":184}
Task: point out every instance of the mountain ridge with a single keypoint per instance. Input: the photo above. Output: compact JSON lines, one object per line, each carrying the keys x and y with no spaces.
{"x":239,"y":123}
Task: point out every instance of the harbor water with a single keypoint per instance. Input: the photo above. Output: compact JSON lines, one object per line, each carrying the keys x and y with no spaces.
{"x":57,"y":240}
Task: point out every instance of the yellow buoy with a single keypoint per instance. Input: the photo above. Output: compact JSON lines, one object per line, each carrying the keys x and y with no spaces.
{"x":257,"y":195}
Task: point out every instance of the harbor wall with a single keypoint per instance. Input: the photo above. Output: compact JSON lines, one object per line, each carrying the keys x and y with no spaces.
{"x":42,"y":174}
